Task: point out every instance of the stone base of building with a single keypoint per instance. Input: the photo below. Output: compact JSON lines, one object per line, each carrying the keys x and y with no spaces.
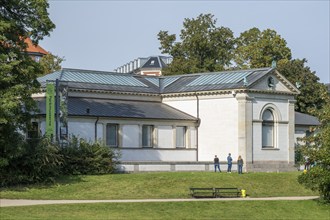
{"x":132,"y":167}
{"x":270,"y":166}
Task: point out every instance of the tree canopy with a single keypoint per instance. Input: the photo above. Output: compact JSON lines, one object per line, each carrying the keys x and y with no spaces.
{"x":18,"y":72}
{"x":50,"y":63}
{"x":306,"y":81}
{"x":317,"y":150}
{"x":255,"y":48}
{"x":203,"y":47}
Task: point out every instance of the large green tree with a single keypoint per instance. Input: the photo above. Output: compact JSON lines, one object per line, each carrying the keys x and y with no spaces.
{"x":255,"y":48}
{"x":19,"y":19}
{"x":203,"y":47}
{"x":317,"y":150}
{"x":307,"y":82}
{"x":50,"y":63}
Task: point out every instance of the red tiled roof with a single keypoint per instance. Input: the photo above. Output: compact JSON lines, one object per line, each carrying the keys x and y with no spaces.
{"x":34,"y":48}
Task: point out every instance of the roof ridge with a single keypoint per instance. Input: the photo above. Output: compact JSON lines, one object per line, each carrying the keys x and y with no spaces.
{"x":225,"y":71}
{"x":94,"y":71}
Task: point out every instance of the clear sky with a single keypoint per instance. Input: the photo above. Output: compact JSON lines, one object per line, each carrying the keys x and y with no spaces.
{"x":103,"y":35}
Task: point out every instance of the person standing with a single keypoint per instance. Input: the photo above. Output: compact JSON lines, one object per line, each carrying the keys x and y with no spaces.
{"x":216,"y":164}
{"x":229,"y":162}
{"x":240,"y":164}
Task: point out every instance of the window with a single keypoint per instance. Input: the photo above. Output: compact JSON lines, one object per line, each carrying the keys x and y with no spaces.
{"x":147,"y":135}
{"x":112,"y":135}
{"x":33,"y":131}
{"x":267,"y":129}
{"x":180,"y":136}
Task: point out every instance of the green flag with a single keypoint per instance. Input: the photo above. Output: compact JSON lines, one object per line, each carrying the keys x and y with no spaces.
{"x":50,"y":110}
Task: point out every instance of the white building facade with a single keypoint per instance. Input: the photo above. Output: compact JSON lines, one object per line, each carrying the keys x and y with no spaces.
{"x":178,"y":123}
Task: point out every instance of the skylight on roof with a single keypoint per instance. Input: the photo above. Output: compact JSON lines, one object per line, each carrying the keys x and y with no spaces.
{"x":219,"y":78}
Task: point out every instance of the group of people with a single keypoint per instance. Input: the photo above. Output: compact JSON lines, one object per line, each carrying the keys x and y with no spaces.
{"x":229,"y":163}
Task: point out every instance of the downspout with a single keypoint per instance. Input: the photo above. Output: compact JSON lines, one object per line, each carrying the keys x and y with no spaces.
{"x":97,"y":120}
{"x":198,"y":123}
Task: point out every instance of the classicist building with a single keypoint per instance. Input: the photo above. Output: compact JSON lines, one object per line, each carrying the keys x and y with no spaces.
{"x":178,"y":123}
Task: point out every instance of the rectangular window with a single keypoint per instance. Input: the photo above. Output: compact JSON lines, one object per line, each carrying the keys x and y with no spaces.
{"x":33,"y":131}
{"x":267,"y":136}
{"x":147,"y":135}
{"x":112,"y":135}
{"x":180,"y":136}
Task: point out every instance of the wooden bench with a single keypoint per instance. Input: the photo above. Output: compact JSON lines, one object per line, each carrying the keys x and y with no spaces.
{"x":214,"y":192}
{"x":227,"y":192}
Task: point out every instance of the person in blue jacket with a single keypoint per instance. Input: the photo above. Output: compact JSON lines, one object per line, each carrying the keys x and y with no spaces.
{"x":229,"y":162}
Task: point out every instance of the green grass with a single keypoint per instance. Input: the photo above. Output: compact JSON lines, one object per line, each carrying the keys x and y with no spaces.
{"x":173,"y":210}
{"x":159,"y":185}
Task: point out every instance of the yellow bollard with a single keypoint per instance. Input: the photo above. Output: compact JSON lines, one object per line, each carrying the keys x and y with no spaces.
{"x":243,"y":191}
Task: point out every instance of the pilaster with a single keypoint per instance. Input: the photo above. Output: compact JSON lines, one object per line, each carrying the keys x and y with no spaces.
{"x":245,"y":142}
{"x":291,"y":140}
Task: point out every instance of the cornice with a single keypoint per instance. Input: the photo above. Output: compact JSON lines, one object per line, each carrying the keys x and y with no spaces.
{"x":112,"y":92}
{"x":182,"y":94}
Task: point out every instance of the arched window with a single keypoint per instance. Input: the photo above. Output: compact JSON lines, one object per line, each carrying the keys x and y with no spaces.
{"x":268,"y":130}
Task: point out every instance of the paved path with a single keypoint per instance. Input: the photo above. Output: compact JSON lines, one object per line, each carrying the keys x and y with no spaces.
{"x":27,"y":202}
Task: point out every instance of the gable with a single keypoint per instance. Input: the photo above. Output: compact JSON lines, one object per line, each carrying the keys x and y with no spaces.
{"x":274,"y":82}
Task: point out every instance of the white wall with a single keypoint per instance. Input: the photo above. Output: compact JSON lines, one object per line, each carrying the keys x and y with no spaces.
{"x":218,"y":130}
{"x":281,"y":150}
{"x":158,"y":154}
{"x":83,"y":128}
{"x":300,"y":132}
{"x":130,"y":136}
{"x":165,"y":137}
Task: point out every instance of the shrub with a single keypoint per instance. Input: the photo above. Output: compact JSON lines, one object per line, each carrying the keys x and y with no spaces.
{"x":82,"y":157}
{"x":38,"y":161}
{"x":41,"y":161}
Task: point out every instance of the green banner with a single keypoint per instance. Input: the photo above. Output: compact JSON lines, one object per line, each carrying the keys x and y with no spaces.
{"x":50,"y":110}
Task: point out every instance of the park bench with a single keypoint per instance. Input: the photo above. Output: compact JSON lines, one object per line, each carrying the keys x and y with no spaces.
{"x":214,"y":192}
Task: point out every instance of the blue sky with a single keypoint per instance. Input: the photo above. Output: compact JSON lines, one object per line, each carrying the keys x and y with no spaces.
{"x":103,"y":35}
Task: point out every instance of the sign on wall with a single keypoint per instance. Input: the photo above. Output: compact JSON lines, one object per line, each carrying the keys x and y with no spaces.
{"x":50,"y":110}
{"x":63,"y":115}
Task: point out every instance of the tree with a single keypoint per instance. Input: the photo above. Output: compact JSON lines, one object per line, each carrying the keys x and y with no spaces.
{"x":18,"y":72}
{"x":318,"y":152}
{"x":307,"y":82}
{"x":203,"y":47}
{"x":257,"y":49}
{"x":50,"y":63}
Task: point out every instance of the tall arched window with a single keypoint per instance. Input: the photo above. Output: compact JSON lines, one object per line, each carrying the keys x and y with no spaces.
{"x":268,"y":129}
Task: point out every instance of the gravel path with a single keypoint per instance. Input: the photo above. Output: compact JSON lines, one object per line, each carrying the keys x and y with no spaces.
{"x":27,"y":202}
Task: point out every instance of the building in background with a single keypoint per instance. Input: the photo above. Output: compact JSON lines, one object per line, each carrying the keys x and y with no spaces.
{"x":34,"y":51}
{"x":150,"y":66}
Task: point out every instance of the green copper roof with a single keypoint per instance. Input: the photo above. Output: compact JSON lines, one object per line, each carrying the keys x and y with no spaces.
{"x":97,"y":77}
{"x":220,"y":78}
{"x":109,"y":81}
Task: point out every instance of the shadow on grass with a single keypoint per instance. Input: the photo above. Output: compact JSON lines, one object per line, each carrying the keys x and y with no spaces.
{"x":63,"y":180}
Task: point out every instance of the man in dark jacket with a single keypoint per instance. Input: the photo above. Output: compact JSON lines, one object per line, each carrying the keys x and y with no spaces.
{"x":216,"y":164}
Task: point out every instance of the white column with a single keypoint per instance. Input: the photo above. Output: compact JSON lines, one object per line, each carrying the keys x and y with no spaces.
{"x":291,"y":131}
{"x":245,"y":129}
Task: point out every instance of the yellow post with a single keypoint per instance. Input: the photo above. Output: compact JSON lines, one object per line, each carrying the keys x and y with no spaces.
{"x":243,"y":191}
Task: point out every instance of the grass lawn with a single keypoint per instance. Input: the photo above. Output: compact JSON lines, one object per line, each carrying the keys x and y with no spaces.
{"x":174,"y":210}
{"x":166,"y":185}
{"x":159,"y":185}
